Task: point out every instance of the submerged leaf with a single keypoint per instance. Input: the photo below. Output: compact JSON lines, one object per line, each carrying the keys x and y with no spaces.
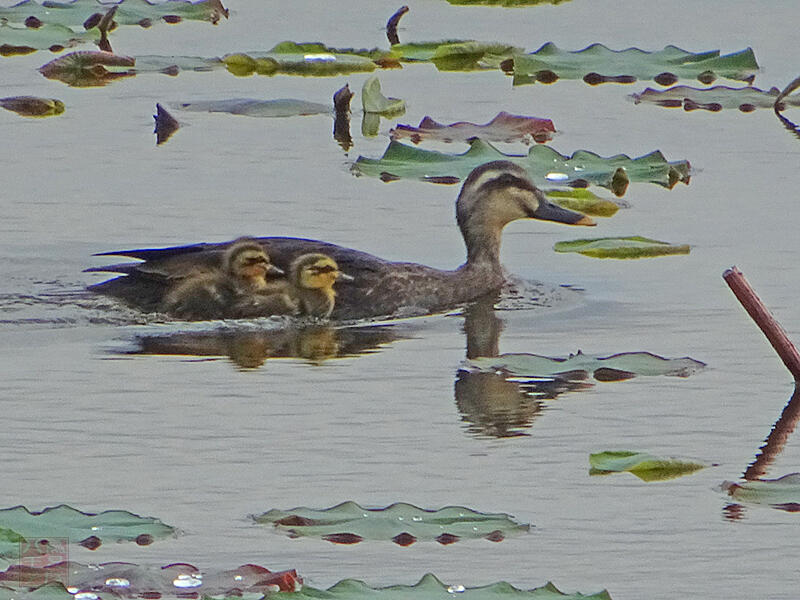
{"x":714,"y":99}
{"x":430,"y":587}
{"x":373,"y":101}
{"x":586,"y":202}
{"x":544,"y":165}
{"x":402,"y":523}
{"x":782,"y":493}
{"x":597,"y":63}
{"x":32,"y":106}
{"x":68,"y":523}
{"x":251,"y":107}
{"x":579,"y":366}
{"x":505,"y":127}
{"x":621,"y":247}
{"x":646,"y":467}
{"x":129,"y":12}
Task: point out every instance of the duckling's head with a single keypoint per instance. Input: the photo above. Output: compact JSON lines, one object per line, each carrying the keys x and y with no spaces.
{"x":316,"y":272}
{"x":493,"y":195}
{"x":247,"y":261}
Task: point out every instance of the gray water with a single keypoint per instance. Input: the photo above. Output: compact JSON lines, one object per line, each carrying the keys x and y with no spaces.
{"x":202,"y":443}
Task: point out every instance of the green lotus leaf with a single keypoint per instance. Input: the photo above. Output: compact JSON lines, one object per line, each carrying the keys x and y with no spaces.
{"x":597,"y":62}
{"x":579,"y":366}
{"x":49,"y":591}
{"x":66,"y":523}
{"x":586,"y":202}
{"x":323,"y":64}
{"x":544,"y":165}
{"x":714,"y":99}
{"x":374,"y":54}
{"x":402,"y":523}
{"x":429,"y":587}
{"x":250,"y":107}
{"x":129,"y":12}
{"x":373,"y":101}
{"x":783,"y":492}
{"x":129,"y":580}
{"x":504,"y":3}
{"x":621,"y":247}
{"x":32,"y":106}
{"x":505,"y":127}
{"x":457,"y":55}
{"x":15,"y":40}
{"x":646,"y":467}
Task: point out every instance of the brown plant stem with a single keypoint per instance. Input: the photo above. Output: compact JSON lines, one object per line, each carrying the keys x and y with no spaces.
{"x":765,"y":321}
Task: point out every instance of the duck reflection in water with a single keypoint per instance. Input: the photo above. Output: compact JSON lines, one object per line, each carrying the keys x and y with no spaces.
{"x":491,"y":404}
{"x":250,"y":349}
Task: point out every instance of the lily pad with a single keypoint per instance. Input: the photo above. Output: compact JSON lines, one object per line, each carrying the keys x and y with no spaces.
{"x":373,"y":101}
{"x":544,"y":165}
{"x":251,"y":107}
{"x":322,"y":64}
{"x":579,"y":366}
{"x":88,"y":529}
{"x":429,"y":587}
{"x":377,"y":55}
{"x":586,"y":202}
{"x":129,"y":12}
{"x":16,"y":40}
{"x":621,"y":247}
{"x":599,"y":64}
{"x":128,"y":580}
{"x":782,"y":493}
{"x":457,"y":55}
{"x":404,"y":524}
{"x":505,"y":3}
{"x":505,"y":127}
{"x":714,"y":99}
{"x":646,"y":467}
{"x":32,"y":106}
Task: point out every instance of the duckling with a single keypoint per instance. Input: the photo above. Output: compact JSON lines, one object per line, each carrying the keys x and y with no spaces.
{"x":221,"y":293}
{"x":493,"y":195}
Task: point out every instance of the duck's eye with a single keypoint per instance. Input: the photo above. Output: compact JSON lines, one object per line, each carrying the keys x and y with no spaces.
{"x":255,"y":260}
{"x":323,"y":269}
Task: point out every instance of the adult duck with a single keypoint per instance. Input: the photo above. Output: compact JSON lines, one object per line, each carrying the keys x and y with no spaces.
{"x":493,"y":195}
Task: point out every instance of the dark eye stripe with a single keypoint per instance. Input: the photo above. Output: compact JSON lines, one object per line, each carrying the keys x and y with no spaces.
{"x":323,"y":269}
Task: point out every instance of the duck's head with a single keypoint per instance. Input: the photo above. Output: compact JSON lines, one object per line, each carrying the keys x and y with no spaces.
{"x":246,"y":260}
{"x":316,"y":272}
{"x":496,"y":193}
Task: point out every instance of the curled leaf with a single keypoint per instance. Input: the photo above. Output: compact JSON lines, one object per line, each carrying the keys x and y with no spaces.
{"x":622,"y":247}
{"x":166,"y":125}
{"x":782,"y":493}
{"x":373,"y":101}
{"x":646,"y":467}
{"x":32,"y":106}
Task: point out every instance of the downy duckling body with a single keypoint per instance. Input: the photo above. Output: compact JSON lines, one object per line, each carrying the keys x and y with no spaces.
{"x":221,"y":293}
{"x":493,"y":195}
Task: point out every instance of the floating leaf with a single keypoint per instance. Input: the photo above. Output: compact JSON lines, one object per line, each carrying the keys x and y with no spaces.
{"x":324,"y":64}
{"x":284,"y":107}
{"x":88,"y":68}
{"x":598,"y":64}
{"x":505,"y":3}
{"x":373,"y":101}
{"x":457,"y":55}
{"x":621,"y":247}
{"x":32,"y":106}
{"x":586,"y":202}
{"x":53,"y":37}
{"x":782,"y":493}
{"x":505,"y":127}
{"x":89,"y":529}
{"x":374,"y":54}
{"x":404,"y":524}
{"x":129,"y":12}
{"x":544,"y":165}
{"x":714,"y":99}
{"x":645,"y":466}
{"x":128,"y":580}
{"x":579,"y":366}
{"x":429,"y":587}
